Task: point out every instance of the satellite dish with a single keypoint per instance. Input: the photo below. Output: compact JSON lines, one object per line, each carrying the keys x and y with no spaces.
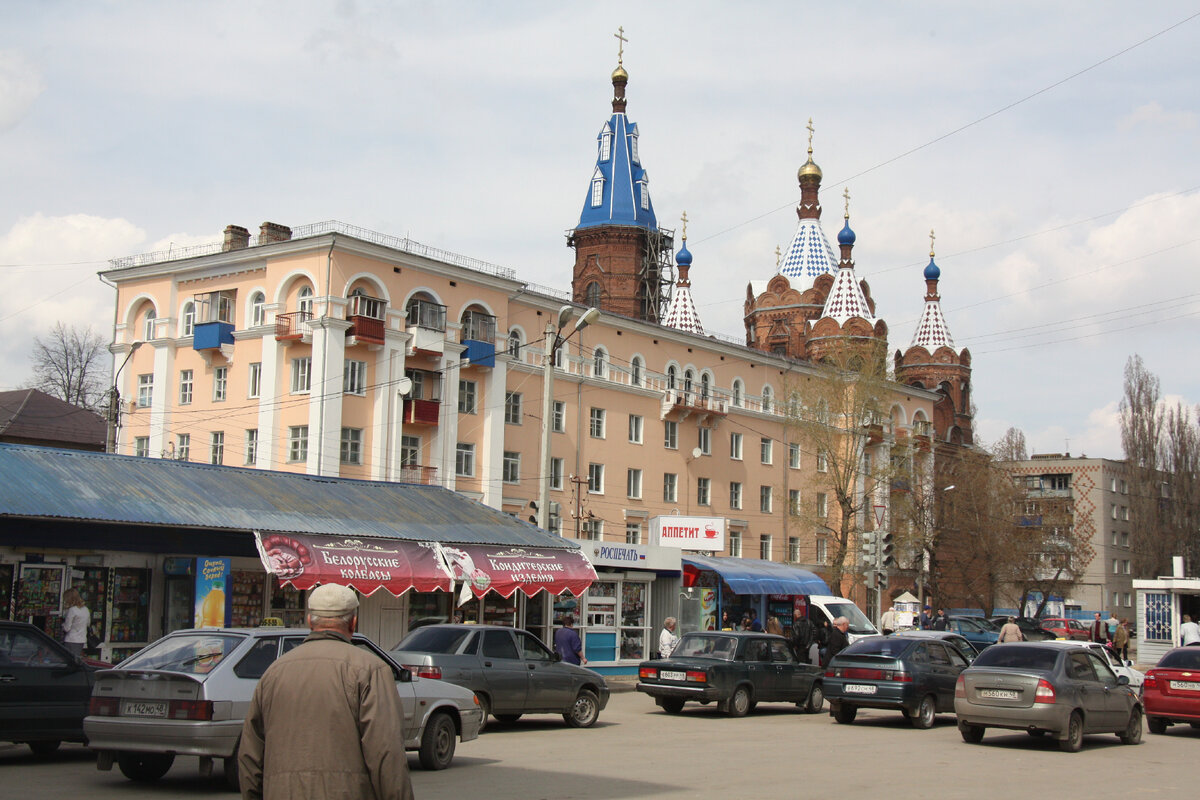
{"x":697,"y":452}
{"x":404,"y":385}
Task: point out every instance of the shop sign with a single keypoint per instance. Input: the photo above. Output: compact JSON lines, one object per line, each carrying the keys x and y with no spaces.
{"x":634,"y":556}
{"x":689,"y":533}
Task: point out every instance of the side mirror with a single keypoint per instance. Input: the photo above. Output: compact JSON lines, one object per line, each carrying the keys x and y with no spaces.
{"x":404,"y":675}
{"x":1122,"y":680}
{"x":556,"y":657}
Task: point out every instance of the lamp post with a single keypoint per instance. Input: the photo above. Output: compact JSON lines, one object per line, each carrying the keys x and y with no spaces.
{"x":114,"y":402}
{"x":554,"y":340}
{"x":924,"y":554}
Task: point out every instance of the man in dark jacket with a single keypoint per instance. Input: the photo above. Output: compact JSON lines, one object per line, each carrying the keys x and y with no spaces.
{"x":838,"y":639}
{"x":940,"y":622}
{"x":803,"y":634}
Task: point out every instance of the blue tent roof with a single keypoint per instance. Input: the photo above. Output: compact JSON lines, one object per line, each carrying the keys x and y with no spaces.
{"x":755,"y":576}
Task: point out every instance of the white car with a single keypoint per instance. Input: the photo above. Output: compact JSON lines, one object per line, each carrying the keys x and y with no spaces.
{"x":1136,"y":679}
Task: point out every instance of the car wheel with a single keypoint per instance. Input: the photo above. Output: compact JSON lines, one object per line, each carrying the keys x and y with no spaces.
{"x":1156,"y":724}
{"x":845,"y":714}
{"x":740,"y":703}
{"x":485,"y":705}
{"x":925,"y":714}
{"x":816,"y":699}
{"x":1133,"y":731}
{"x":437,"y":743}
{"x":144,"y":767}
{"x":508,"y":717}
{"x":971,"y":734}
{"x":671,"y":705}
{"x":585,"y":711}
{"x":231,"y":771}
{"x":1073,"y":741}
{"x":43,"y":749}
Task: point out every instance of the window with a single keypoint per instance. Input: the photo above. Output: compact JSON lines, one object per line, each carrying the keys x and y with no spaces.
{"x":735,"y":446}
{"x":141,"y":446}
{"x":597,"y":192}
{"x":793,"y":548}
{"x":220,"y":383}
{"x":304,"y":302}
{"x":258,"y":309}
{"x":217,"y":448}
{"x":606,"y":145}
{"x":251,"y":445}
{"x":635,"y":371}
{"x":466,"y":397}
{"x":735,"y":495}
{"x":705,"y":386}
{"x":189,"y":319}
{"x":702,"y":488}
{"x":183,"y":446}
{"x":1125,"y":567}
{"x":352,"y":445}
{"x":766,"y":399}
{"x":185,"y":387}
{"x":298,"y":443}
{"x":645,"y":193}
{"x":1125,"y":513}
{"x":705,"y":441}
{"x":633,"y":484}
{"x":592,"y":529}
{"x":1116,"y":598}
{"x":737,"y":393}
{"x":511,"y":472}
{"x":599,"y":363}
{"x":735,"y":544}
{"x":354,"y":377}
{"x":145,"y":396}
{"x":794,"y":456}
{"x":671,"y":373}
{"x":301,"y":375}
{"x":635,"y":429}
{"x":764,"y":499}
{"x":822,"y":551}
{"x":1058,"y":482}
{"x":148,"y":329}
{"x":596,"y":423}
{"x":633,"y":149}
{"x":670,"y":487}
{"x":671,"y":435}
{"x":1116,"y":567}
{"x":410,"y":451}
{"x":794,"y":502}
{"x":822,"y":505}
{"x":764,"y":547}
{"x":1113,"y":510}
{"x":593,"y":295}
{"x":512,"y":408}
{"x":1128,"y":599}
{"x":596,"y":478}
{"x":556,"y":473}
{"x":464,"y":460}
{"x":765,"y":450}
{"x":633,"y":533}
{"x":1124,"y":490}
{"x":514,"y":343}
{"x":254,"y":384}
{"x":559,"y":423}
{"x":822,"y":462}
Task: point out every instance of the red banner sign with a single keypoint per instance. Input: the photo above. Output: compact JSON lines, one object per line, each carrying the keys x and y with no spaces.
{"x":504,"y":570}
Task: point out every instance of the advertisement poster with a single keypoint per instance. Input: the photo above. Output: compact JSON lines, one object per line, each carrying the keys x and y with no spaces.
{"x":708,"y":609}
{"x":212,"y":596}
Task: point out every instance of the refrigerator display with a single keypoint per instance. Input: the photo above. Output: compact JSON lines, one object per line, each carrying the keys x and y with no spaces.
{"x":92,"y":584}
{"x":39,"y":597}
{"x":248,"y":597}
{"x":7,"y":572}
{"x":130,"y":589}
{"x":287,"y":604}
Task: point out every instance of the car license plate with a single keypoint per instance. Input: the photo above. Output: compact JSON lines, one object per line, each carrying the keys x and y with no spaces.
{"x":136,"y":708}
{"x":999,"y":694}
{"x":1186,"y":686}
{"x":860,"y":688}
{"x":672,"y":675}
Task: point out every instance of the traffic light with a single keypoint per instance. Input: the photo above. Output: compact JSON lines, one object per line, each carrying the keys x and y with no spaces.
{"x":881,"y":580}
{"x":869,"y":541}
{"x":886,"y":557}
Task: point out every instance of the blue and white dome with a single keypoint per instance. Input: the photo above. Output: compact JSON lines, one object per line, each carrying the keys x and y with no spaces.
{"x":809,"y":253}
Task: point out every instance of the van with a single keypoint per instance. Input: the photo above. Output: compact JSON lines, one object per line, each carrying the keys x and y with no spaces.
{"x":823,"y":609}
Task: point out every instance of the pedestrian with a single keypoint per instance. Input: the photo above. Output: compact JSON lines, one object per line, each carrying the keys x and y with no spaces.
{"x":325,"y":719}
{"x":940,"y":622}
{"x":76,"y":619}
{"x":1009,"y":632}
{"x":667,"y":638}
{"x":774,"y":626}
{"x":803,"y":639}
{"x":1120,"y":641}
{"x":1113,"y":622}
{"x":1189,"y":632}
{"x":567,"y":642}
{"x":1099,"y":630}
{"x":888,"y":621}
{"x":755,"y":625}
{"x":838,"y":639}
{"x":925,"y":620}
{"x":727,"y":623}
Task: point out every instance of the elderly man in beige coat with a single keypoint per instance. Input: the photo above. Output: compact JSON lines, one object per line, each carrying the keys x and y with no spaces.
{"x":326,"y":719}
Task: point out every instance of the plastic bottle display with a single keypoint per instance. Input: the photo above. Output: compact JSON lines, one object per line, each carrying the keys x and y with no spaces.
{"x":212,"y":608}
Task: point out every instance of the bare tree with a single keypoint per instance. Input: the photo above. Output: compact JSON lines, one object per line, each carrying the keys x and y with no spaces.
{"x":1011,"y":446}
{"x":71,"y":364}
{"x":1178,"y":499}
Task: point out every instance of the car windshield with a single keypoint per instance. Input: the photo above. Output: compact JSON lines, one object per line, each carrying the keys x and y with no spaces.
{"x":706,"y":645}
{"x":193,"y":654}
{"x":1182,"y":659}
{"x":432,"y":639}
{"x":859,"y":624}
{"x":890,"y":647}
{"x":1017,"y":657}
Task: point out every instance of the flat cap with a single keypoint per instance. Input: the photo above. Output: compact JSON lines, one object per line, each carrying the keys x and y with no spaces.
{"x":332,"y":600}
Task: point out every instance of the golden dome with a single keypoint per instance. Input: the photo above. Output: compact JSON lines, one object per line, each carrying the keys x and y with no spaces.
{"x":809,"y":168}
{"x":620,"y":74}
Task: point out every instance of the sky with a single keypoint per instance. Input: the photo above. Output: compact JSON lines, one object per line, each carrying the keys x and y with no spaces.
{"x":1051,"y":146}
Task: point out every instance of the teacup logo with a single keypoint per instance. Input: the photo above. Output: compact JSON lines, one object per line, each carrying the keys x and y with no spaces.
{"x":710,"y":532}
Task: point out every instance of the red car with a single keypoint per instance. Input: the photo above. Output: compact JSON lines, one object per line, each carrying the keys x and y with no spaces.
{"x":1064,"y":628}
{"x":1171,"y":692}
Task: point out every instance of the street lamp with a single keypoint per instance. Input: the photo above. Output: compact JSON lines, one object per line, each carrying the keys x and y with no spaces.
{"x":921,"y":566}
{"x":114,"y":401}
{"x":554,"y":340}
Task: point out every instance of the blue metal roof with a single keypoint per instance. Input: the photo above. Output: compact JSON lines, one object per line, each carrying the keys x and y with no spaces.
{"x":624,"y":181}
{"x":755,"y":576}
{"x":48,"y":483}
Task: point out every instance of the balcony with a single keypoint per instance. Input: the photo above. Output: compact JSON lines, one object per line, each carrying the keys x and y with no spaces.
{"x":290,"y":327}
{"x":678,"y":405}
{"x":415,"y":473}
{"x":421,"y":412}
{"x":366,"y":319}
{"x":213,"y":326}
{"x":426,"y":322}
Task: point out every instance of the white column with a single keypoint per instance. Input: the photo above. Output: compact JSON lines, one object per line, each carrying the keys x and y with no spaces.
{"x":325,"y":399}
{"x":493,"y":434}
{"x":274,"y":360}
{"x":164,"y":361}
{"x":445,"y":440}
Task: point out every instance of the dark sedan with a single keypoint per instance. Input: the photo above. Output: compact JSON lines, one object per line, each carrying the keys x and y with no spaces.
{"x":976,"y":630}
{"x":735,"y":670}
{"x":510,"y":670}
{"x":913,"y":673}
{"x":1031,"y":628}
{"x":1171,"y":691}
{"x":44,"y":689}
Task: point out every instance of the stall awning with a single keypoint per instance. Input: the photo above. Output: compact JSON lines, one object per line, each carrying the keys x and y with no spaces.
{"x":395,"y":565}
{"x":755,"y":576}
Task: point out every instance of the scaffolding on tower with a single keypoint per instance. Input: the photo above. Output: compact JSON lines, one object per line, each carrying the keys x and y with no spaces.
{"x":657,"y":277}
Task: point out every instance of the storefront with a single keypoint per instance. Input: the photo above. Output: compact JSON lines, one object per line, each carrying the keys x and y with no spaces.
{"x":738,"y":587}
{"x":1161,"y":604}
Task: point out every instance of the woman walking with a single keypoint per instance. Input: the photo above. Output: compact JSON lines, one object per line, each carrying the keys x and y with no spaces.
{"x":75,"y":621}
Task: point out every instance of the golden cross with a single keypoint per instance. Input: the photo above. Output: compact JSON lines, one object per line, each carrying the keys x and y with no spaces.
{"x":846,"y":194}
{"x":931,"y":238}
{"x":810,"y":134}
{"x":620,"y":34}
{"x":684,"y":218}
{"x":777,"y":255}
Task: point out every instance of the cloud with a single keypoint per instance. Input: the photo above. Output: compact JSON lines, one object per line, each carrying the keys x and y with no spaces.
{"x":20,"y":85}
{"x":1154,"y":116}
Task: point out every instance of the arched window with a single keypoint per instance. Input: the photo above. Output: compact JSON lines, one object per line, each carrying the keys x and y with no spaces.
{"x":600,"y":363}
{"x":188,"y":326}
{"x":635,"y":371}
{"x":606,"y":144}
{"x":148,"y":328}
{"x":592,"y":295}
{"x":305,"y":302}
{"x":737,"y":393}
{"x":687,"y":383}
{"x":597,"y":191}
{"x":705,"y":387}
{"x":514,"y":343}
{"x":767,"y":399}
{"x":671,"y":377}
{"x":258,"y":309}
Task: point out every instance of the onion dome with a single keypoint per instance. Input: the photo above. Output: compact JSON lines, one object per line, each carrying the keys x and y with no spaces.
{"x":846,"y":236}
{"x":809,"y":170}
{"x":681,"y":314}
{"x":684,"y":257}
{"x":932,"y":331}
{"x":932,"y":271}
{"x":619,"y":74}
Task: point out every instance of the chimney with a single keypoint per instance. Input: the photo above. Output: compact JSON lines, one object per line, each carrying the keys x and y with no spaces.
{"x":236,"y":238}
{"x":270,"y":232}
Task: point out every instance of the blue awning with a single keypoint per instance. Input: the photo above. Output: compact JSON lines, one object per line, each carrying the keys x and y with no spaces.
{"x":755,"y":576}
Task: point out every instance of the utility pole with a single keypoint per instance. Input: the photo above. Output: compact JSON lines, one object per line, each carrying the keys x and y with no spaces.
{"x":114,"y":403}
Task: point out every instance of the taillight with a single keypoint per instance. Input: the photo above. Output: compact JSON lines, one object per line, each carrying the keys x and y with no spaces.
{"x":104,"y":707}
{"x":647,"y":672}
{"x":697,"y":676}
{"x":833,"y":672}
{"x":1151,"y":681}
{"x":424,"y":671}
{"x":960,"y":687}
{"x":902,"y":677}
{"x":190,"y":709}
{"x":1044,"y":693}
